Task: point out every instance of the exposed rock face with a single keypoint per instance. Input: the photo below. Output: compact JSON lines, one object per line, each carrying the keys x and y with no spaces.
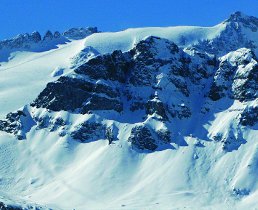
{"x":17,"y":123}
{"x":249,"y":116}
{"x":80,"y":33}
{"x":245,"y":85}
{"x":236,"y":77}
{"x":156,"y":84}
{"x":4,"y":206}
{"x":48,"y":36}
{"x":180,"y":84}
{"x":12,"y":123}
{"x":247,"y":21}
{"x":50,"y":123}
{"x":72,"y":91}
{"x":142,"y":138}
{"x":233,"y":37}
{"x":108,"y":67}
{"x":57,"y":35}
{"x":222,"y":80}
{"x":35,"y":36}
{"x":92,"y":131}
{"x":36,"y":42}
{"x":97,"y":102}
{"x":70,"y":94}
{"x":164,"y":135}
{"x":89,"y":131}
{"x":109,"y":135}
{"x":21,"y":41}
{"x":156,"y":106}
{"x":92,"y":88}
{"x":9,"y":207}
{"x":148,"y":59}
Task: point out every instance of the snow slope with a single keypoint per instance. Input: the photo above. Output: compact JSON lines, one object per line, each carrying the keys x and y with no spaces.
{"x":65,"y":174}
{"x":125,"y":40}
{"x":27,"y":73}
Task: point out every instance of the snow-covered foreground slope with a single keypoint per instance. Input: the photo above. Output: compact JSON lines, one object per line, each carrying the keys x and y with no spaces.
{"x":157,"y":125}
{"x":69,"y":175}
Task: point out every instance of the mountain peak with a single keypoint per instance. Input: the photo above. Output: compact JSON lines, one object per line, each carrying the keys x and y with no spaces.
{"x":243,"y":18}
{"x":27,"y":40}
{"x":79,"y":33}
{"x":237,"y":16}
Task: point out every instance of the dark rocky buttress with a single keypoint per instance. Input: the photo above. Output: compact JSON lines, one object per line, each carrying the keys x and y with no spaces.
{"x":154,"y":83}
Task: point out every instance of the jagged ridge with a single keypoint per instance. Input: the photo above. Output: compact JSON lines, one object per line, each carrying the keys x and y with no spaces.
{"x":141,"y":80}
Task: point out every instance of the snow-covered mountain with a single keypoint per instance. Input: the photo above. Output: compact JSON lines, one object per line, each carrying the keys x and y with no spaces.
{"x":146,"y":118}
{"x":34,"y":42}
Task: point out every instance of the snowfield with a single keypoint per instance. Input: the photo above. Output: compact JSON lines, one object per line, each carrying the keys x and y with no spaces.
{"x":61,"y":174}
{"x":125,"y":40}
{"x":54,"y":171}
{"x":27,"y":73}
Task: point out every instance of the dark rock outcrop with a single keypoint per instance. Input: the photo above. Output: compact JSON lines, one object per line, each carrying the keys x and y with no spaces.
{"x":245,"y":86}
{"x":236,"y":77}
{"x":9,"y":207}
{"x":17,"y":123}
{"x":249,"y":116}
{"x":79,"y":33}
{"x":21,"y":41}
{"x":141,"y":138}
{"x":48,"y":36}
{"x":145,"y":138}
{"x":70,"y":94}
{"x":113,"y":67}
{"x":232,"y":37}
{"x":57,"y":35}
{"x":156,"y":106}
{"x":97,"y":102}
{"x":89,"y":131}
{"x":36,"y":43}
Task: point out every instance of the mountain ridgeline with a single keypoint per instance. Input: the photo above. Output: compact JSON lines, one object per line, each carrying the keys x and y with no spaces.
{"x":156,"y":89}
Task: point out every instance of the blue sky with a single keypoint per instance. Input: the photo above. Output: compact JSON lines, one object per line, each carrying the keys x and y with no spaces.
{"x":19,"y":16}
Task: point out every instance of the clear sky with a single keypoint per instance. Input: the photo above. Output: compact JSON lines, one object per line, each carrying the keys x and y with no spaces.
{"x":20,"y":16}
